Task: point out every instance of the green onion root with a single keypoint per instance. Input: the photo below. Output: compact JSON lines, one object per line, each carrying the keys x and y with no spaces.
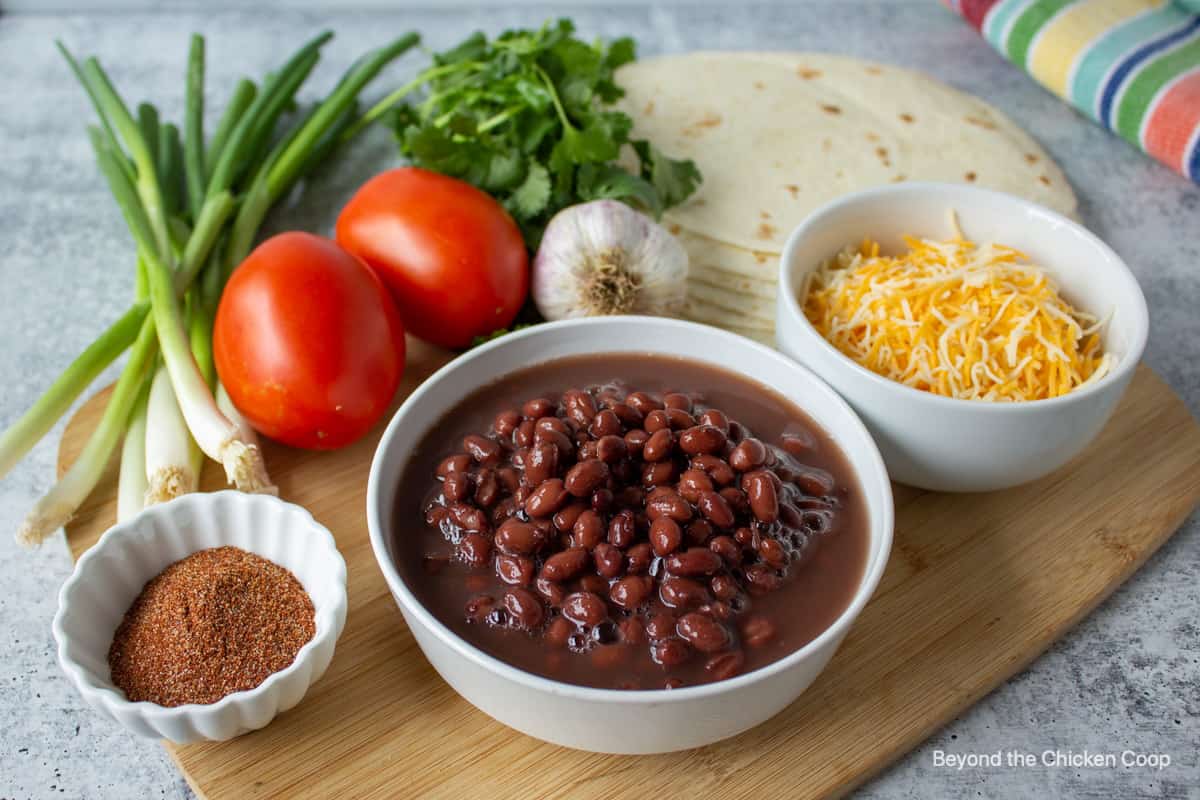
{"x":245,"y":432}
{"x":217,"y":436}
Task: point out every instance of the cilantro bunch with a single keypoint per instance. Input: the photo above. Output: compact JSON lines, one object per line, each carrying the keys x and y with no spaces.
{"x":527,"y":117}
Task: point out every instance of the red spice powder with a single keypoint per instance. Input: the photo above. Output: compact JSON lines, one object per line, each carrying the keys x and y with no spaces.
{"x":217,"y":622}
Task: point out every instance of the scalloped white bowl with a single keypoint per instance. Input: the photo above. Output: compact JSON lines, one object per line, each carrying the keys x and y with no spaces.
{"x":110,"y":576}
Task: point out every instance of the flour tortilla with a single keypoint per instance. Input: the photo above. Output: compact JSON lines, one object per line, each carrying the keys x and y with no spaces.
{"x":728,"y":285}
{"x":778,"y":134}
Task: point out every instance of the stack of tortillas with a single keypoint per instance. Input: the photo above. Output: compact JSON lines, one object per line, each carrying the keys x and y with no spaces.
{"x":776,"y":135}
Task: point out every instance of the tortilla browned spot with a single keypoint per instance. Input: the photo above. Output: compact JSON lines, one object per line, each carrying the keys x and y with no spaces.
{"x":759,"y":85}
{"x":874,"y":70}
{"x":907,"y":117}
{"x":674,"y":229}
{"x":970,"y":176}
{"x":872,"y":137}
{"x":830,"y":109}
{"x":807,"y":73}
{"x":649,"y":109}
{"x":793,"y":189}
{"x":1031,"y":158}
{"x":706,"y":122}
{"x":899,"y":178}
{"x":982,"y":123}
{"x":1044,"y":179}
{"x":761,"y":257}
{"x":766,"y":231}
{"x":765,"y":214}
{"x":882,"y":152}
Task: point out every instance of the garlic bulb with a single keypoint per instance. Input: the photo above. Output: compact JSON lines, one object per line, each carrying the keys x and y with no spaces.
{"x":602,"y":258}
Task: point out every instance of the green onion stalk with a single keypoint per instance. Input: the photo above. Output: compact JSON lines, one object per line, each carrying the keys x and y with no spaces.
{"x":131,"y":482}
{"x":194,"y":209}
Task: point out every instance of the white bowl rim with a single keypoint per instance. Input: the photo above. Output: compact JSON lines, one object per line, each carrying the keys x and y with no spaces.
{"x":1139,"y":324}
{"x":324,"y":619}
{"x":877,"y":561}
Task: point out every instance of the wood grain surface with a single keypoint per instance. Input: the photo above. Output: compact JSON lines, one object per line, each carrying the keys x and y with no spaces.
{"x":977,"y":587}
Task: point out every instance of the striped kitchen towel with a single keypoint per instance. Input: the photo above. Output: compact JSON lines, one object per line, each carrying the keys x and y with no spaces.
{"x":1131,"y":65}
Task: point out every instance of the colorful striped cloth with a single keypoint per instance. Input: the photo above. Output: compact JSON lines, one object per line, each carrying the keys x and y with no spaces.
{"x":1131,"y":65}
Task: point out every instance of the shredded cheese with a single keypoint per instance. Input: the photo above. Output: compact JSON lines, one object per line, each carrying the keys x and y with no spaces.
{"x":973,"y":322}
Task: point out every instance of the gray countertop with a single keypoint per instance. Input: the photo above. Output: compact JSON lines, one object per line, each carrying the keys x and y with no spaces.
{"x":1127,"y":678}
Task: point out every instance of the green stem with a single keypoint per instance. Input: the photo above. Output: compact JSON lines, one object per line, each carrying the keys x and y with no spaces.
{"x":60,"y":503}
{"x":199,"y":326}
{"x":499,"y":119}
{"x":209,"y":224}
{"x":131,"y":480}
{"x":558,"y":106}
{"x":281,"y":170}
{"x":193,"y":127}
{"x":271,"y":100}
{"x":141,"y":290}
{"x":147,"y":185}
{"x":332,"y":139}
{"x":40,"y":418}
{"x":385,"y":105}
{"x":259,"y":144}
{"x":171,"y":173}
{"x":148,"y":124}
{"x":286,"y":167}
{"x":109,"y":137}
{"x":243,"y":95}
{"x":255,"y":205}
{"x":200,"y":330}
{"x":49,"y":408}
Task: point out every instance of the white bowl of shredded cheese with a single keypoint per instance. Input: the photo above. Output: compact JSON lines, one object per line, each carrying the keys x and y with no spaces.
{"x":983,"y":339}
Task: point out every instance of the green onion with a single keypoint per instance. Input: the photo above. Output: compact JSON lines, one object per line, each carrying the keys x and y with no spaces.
{"x":168,"y":462}
{"x":110,"y":106}
{"x":194,"y":210}
{"x":215,"y":434}
{"x":57,"y":507}
{"x":193,"y":127}
{"x":38,"y":420}
{"x":243,"y":95}
{"x":268,"y":103}
{"x":131,"y":483}
{"x":245,"y":432}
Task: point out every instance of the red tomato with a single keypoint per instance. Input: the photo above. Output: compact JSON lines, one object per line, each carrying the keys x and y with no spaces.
{"x":308,"y":342}
{"x":451,"y":255}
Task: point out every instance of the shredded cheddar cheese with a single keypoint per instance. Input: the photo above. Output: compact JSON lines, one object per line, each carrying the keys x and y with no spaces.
{"x":974,"y":322}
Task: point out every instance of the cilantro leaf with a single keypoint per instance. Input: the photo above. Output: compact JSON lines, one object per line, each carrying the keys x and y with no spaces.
{"x":527,"y":117}
{"x":674,"y":180}
{"x":530,"y":198}
{"x":607,"y":181}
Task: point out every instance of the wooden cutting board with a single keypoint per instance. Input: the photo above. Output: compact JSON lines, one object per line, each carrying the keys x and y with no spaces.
{"x":977,"y":587}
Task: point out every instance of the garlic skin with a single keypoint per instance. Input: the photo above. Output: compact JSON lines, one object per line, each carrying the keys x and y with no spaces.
{"x":603,"y":258}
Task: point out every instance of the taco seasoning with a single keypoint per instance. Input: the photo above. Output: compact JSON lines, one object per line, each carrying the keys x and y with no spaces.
{"x":217,"y":622}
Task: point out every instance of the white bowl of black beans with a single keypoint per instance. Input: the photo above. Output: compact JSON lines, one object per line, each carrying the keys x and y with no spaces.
{"x":628,"y":534}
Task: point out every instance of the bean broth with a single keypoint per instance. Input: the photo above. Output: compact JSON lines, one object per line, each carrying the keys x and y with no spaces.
{"x":639,"y":595}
